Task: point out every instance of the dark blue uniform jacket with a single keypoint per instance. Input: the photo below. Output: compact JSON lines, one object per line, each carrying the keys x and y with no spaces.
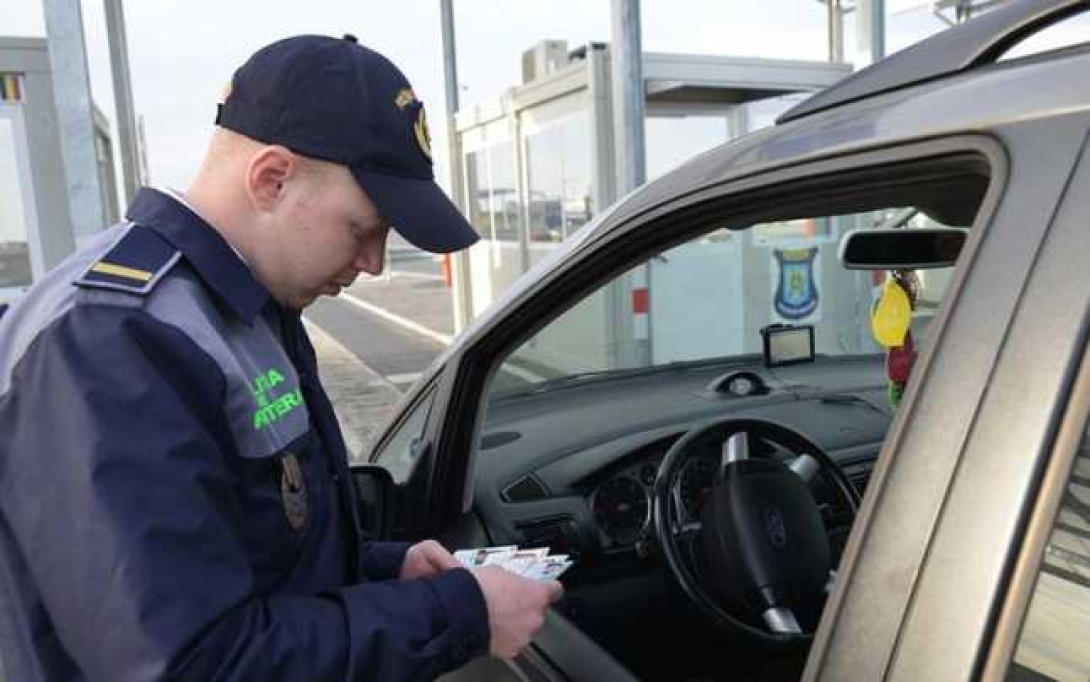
{"x":175,"y":501}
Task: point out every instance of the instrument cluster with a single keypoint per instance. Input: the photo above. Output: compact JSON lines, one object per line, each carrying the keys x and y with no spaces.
{"x":621,"y":504}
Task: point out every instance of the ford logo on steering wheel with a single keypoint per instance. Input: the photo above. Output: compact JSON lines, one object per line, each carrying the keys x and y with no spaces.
{"x":775,"y":527}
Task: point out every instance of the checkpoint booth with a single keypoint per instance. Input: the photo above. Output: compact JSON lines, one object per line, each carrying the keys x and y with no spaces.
{"x":540,"y":162}
{"x":35,"y":226}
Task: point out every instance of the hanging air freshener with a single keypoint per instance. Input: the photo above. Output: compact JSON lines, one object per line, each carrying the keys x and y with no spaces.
{"x":892,"y":315}
{"x":899,"y":360}
{"x":903,"y":287}
{"x":896,"y":392}
{"x":899,"y":363}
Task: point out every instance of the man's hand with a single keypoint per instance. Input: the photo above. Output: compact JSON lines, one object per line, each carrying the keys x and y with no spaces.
{"x":426,"y":558}
{"x":516,"y":607}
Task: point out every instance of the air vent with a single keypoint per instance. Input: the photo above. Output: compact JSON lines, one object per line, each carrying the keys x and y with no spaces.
{"x":526,"y":489}
{"x":558,"y":533}
{"x":498,"y":438}
{"x":860,"y":479}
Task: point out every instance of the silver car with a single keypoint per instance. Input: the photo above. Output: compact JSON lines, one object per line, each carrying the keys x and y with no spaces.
{"x":813,"y":405}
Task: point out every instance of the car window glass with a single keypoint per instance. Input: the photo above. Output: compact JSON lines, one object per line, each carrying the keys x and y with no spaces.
{"x":398,"y":453}
{"x":1070,"y":31}
{"x":710,"y":297}
{"x":1054,"y":637}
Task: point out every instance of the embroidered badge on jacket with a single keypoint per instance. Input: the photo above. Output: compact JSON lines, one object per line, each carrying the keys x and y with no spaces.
{"x":293,"y":491}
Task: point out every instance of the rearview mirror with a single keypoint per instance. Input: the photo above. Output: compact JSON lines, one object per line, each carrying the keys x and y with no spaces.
{"x":901,"y":248}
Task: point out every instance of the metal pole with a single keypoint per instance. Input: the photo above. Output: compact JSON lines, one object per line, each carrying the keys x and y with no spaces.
{"x":463,"y":302}
{"x":628,"y":96}
{"x":626,"y":69}
{"x":126,"y":115}
{"x":963,"y":11}
{"x":878,"y":29}
{"x":143,"y":173}
{"x":836,"y":31}
{"x":829,"y":30}
{"x":871,"y":32}
{"x":75,"y":116}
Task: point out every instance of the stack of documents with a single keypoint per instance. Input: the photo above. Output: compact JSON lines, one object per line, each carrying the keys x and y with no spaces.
{"x":530,"y":563}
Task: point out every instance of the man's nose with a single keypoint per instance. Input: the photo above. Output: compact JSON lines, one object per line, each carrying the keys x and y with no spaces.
{"x":371,"y":259}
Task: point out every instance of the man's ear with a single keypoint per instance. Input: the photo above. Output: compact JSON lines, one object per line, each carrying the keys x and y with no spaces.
{"x":266,"y":174}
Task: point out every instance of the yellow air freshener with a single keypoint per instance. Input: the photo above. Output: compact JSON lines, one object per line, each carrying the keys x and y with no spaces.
{"x":892,"y":316}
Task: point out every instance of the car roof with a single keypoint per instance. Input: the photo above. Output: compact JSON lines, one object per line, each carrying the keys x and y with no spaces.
{"x":958,"y":49}
{"x":976,"y":100}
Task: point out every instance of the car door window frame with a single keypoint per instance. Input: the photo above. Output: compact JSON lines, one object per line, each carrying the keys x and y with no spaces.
{"x":423,"y":400}
{"x":1072,"y":433}
{"x":1047,"y":490}
{"x":952,"y":480}
{"x":599,"y":260}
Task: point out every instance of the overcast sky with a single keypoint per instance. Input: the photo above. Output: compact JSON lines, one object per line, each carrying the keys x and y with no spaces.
{"x":183,"y":53}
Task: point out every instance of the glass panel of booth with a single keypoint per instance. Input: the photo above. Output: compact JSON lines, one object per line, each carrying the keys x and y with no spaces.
{"x":673,"y":138}
{"x":530,"y":171}
{"x":504,"y":206}
{"x":677,"y":133}
{"x":558,"y":172}
{"x":15,"y":217}
{"x":493,"y":201}
{"x":492,"y":196}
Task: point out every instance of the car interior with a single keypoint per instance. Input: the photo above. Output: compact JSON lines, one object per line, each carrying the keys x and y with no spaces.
{"x":625,"y":430}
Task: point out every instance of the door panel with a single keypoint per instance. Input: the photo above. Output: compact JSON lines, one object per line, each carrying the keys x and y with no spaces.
{"x":1045,"y":608}
{"x":978,"y":528}
{"x":485,"y":669}
{"x":922,"y":564}
{"x":559,"y":652}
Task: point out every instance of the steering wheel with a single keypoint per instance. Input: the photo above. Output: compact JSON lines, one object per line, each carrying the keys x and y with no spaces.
{"x":759,"y":561}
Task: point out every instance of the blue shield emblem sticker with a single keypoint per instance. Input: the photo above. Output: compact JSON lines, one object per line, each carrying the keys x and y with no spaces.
{"x":796,"y":289}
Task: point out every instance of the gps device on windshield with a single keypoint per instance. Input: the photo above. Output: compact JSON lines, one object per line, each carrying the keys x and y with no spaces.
{"x":788,"y":344}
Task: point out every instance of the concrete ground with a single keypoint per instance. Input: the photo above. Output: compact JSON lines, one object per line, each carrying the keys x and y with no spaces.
{"x":375,"y":339}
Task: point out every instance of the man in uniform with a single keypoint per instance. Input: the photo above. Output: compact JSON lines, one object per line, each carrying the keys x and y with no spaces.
{"x":175,"y":500}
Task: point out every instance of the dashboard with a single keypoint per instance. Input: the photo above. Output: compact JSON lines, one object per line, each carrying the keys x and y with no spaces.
{"x":574,"y":468}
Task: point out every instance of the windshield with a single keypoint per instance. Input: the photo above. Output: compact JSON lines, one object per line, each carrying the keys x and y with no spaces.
{"x":707,"y":300}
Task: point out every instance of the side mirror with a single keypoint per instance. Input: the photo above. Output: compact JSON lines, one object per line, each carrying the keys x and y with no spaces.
{"x":901,"y":248}
{"x":375,"y":494}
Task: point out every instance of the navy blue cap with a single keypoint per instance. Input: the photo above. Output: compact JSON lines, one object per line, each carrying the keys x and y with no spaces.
{"x":335,"y":100}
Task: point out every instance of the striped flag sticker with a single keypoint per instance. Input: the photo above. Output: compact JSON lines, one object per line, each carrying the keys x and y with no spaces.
{"x":10,"y":88}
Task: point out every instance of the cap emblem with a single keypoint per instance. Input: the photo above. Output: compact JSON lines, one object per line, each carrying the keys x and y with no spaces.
{"x":405,"y":97}
{"x":423,"y":137}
